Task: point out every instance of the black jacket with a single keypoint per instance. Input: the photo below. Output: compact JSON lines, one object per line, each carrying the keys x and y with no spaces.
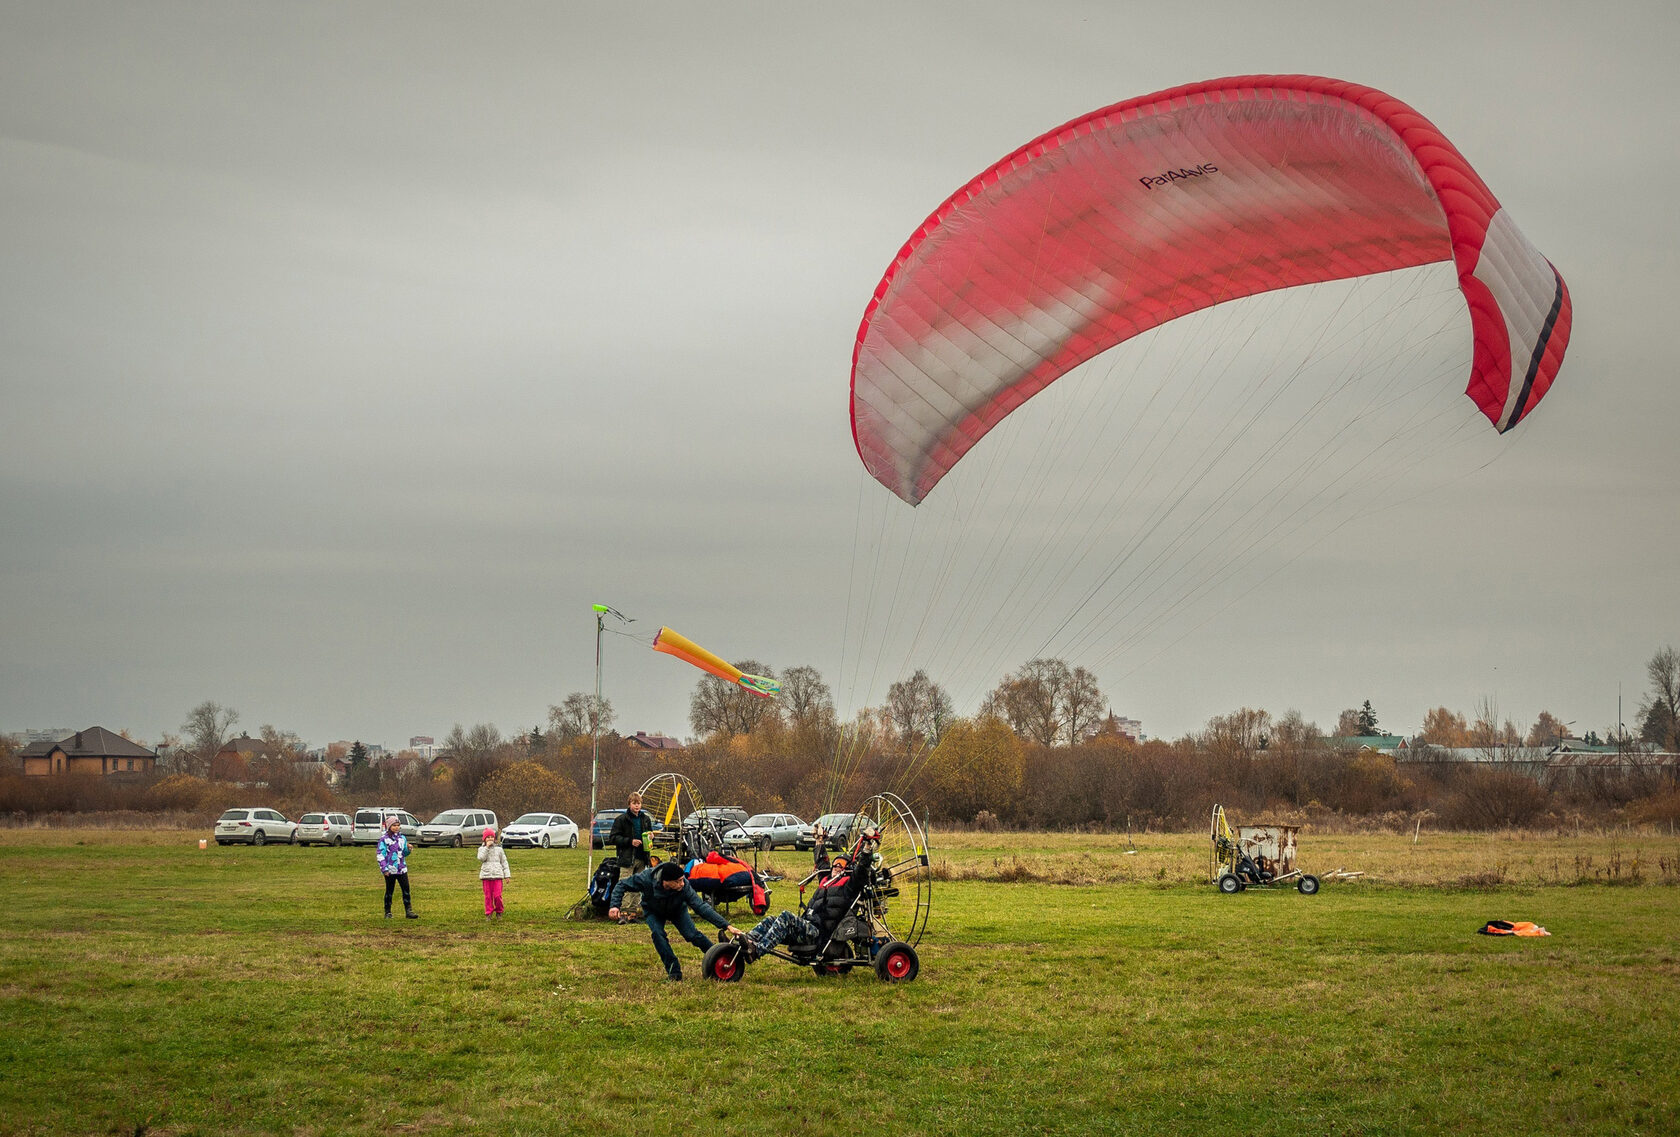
{"x":657,"y":900}
{"x":835,"y":898}
{"x":627,"y":827}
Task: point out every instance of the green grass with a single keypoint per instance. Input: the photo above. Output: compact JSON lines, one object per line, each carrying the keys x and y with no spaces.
{"x":144,"y":983}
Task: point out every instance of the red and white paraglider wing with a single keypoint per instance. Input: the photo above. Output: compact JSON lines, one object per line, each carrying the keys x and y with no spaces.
{"x":1161,"y":206}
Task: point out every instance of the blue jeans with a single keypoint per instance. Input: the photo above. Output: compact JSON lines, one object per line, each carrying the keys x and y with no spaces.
{"x":684,"y":921}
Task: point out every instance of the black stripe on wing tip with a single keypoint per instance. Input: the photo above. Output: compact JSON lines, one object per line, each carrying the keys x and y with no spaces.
{"x":1539,"y":350}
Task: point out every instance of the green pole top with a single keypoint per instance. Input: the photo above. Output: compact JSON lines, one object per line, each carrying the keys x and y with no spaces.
{"x":602,"y":608}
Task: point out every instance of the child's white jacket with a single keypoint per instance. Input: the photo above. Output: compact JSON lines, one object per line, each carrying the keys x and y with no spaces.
{"x":492,"y":863}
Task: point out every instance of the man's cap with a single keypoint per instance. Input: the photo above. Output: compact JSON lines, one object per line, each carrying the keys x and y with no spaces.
{"x":670,"y":870}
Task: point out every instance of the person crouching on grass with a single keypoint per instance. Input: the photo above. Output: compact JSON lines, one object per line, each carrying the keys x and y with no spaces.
{"x":667,"y":896}
{"x":393,"y":863}
{"x":492,"y":870}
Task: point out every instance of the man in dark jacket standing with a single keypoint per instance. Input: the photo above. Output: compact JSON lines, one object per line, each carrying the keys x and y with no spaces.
{"x":667,"y":896}
{"x":630,"y":831}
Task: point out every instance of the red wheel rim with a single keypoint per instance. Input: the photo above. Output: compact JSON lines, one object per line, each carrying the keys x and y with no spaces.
{"x":724,"y":967}
{"x":898,"y":964}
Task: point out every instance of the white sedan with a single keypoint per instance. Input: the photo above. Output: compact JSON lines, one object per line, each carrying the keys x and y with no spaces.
{"x":541,"y":830}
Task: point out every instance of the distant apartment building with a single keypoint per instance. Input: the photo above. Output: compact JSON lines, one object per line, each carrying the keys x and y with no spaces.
{"x":1117,"y":726}
{"x":341,"y":749}
{"x":425,"y":746}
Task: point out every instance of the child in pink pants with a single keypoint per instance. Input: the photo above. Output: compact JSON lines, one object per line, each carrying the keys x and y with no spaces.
{"x":492,"y":871}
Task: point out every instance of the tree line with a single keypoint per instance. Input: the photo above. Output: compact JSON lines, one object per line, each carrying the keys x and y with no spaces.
{"x":1037,"y":753}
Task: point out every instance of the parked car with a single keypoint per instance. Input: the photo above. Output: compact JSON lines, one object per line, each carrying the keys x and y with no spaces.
{"x":601,"y":828}
{"x":370,"y":823}
{"x":765,"y":830}
{"x":457,"y":827}
{"x":723,"y":815}
{"x":325,"y":829}
{"x":541,"y":830}
{"x":838,"y":826}
{"x":254,"y":826}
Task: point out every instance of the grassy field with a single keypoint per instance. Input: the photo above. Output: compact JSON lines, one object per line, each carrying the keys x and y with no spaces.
{"x":146,"y":985}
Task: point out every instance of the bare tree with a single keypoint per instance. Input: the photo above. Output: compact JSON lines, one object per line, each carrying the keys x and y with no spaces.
{"x":1348,"y":724}
{"x":1484,"y":731}
{"x":920,"y":711}
{"x":478,"y":752}
{"x":807,"y":699}
{"x":719,"y":706}
{"x":284,"y":744}
{"x":205,"y":730}
{"x":1295,"y":732}
{"x":1032,"y":700}
{"x":578,"y":716}
{"x":1238,"y":734}
{"x":1082,"y":706}
{"x":1659,"y":714}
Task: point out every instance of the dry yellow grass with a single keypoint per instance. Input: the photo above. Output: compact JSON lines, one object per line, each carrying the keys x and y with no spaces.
{"x":1640,"y":856}
{"x":1436,"y":860}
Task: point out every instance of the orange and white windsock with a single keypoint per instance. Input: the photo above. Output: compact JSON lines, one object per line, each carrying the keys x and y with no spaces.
{"x":685,"y":649}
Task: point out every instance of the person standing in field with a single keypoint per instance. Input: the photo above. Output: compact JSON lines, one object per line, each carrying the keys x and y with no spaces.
{"x":393,"y":863}
{"x":492,"y":871}
{"x":629,"y":833}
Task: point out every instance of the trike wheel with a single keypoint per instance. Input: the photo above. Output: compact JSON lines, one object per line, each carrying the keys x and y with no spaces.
{"x":1308,"y":885}
{"x":896,"y":962}
{"x":1229,"y":884}
{"x":725,"y":963}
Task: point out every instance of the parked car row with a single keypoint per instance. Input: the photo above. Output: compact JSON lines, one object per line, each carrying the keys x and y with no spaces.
{"x":764,"y":831}
{"x":259,"y":825}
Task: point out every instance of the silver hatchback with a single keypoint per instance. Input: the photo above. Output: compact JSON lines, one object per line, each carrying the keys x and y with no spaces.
{"x":324,"y":829}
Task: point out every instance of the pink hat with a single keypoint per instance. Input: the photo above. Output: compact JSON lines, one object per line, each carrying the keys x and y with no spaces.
{"x":489,"y":832}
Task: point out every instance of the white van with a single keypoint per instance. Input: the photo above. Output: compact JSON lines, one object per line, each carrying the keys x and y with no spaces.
{"x":370,"y":823}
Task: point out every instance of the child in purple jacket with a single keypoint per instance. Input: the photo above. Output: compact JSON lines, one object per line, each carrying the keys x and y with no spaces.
{"x":393,"y":862}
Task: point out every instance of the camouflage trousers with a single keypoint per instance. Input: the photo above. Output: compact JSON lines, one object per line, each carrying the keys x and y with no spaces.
{"x":778,"y":929}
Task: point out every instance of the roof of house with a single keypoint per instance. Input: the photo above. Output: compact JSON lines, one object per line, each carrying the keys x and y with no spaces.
{"x":1577,"y":746}
{"x":245,"y":744}
{"x":1601,"y":760}
{"x":1368,"y":741}
{"x":1489,"y":755}
{"x":655,"y":741}
{"x":94,"y":742}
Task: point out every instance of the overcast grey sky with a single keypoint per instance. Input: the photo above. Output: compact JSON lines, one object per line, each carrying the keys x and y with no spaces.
{"x":350,"y":352}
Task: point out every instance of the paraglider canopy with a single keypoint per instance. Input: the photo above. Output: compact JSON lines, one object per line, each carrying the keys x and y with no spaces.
{"x":1168,"y":204}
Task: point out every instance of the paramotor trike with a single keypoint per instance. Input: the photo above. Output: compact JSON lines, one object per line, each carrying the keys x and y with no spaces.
{"x":887,"y":893}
